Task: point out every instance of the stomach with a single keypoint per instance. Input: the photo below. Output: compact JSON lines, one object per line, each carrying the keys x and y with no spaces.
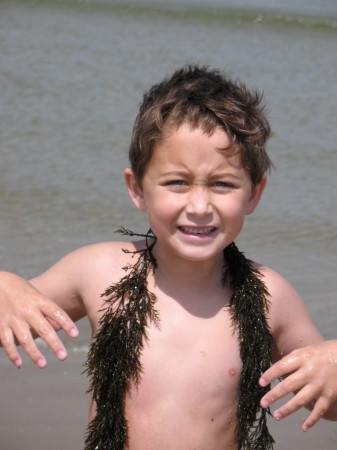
{"x":186,"y":400}
{"x":180,"y":427}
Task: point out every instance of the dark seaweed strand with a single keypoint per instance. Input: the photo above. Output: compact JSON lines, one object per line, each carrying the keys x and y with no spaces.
{"x":249,"y":306}
{"x":114,"y":357}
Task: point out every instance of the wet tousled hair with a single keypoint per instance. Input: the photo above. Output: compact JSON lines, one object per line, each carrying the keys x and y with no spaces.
{"x":202,"y":98}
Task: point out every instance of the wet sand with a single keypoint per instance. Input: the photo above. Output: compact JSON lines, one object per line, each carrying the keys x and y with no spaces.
{"x":47,"y":409}
{"x":43,"y":409}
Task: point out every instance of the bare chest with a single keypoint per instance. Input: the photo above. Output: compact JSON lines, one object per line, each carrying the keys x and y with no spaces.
{"x":188,"y":359}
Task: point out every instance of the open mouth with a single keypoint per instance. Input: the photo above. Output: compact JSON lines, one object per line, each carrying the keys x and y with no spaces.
{"x":197,"y":230}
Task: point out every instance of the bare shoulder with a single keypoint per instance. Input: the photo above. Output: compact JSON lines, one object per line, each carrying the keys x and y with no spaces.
{"x":77,"y":281}
{"x":97,"y":257}
{"x":289,"y":320}
{"x":280,"y":290}
{"x":114,"y":254}
{"x":100,"y":266}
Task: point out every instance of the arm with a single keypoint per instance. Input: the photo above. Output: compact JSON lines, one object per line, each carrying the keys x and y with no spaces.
{"x":307,"y":364}
{"x":23,"y":309}
{"x":68,"y":291}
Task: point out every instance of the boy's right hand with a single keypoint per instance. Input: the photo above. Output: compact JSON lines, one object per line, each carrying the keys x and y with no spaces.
{"x":24,"y":314}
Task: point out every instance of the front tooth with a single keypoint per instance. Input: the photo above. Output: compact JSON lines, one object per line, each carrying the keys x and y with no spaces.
{"x":192,"y":230}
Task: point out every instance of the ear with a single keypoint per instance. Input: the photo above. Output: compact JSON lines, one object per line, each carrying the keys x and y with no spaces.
{"x":134,"y":189}
{"x":256,"y":195}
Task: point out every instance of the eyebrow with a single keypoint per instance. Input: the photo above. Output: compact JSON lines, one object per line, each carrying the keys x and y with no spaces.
{"x":224,"y":174}
{"x":185,"y":173}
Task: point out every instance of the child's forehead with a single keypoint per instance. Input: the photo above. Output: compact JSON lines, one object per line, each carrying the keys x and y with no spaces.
{"x":186,"y":144}
{"x":187,"y":131}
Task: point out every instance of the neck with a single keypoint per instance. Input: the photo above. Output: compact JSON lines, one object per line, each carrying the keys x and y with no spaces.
{"x":194,"y":273}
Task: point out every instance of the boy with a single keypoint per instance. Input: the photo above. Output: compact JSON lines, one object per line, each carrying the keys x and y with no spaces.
{"x":191,"y":325}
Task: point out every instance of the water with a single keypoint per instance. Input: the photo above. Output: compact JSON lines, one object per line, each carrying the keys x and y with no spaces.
{"x":72,"y":76}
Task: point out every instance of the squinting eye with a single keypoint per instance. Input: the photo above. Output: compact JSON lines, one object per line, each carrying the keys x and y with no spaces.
{"x":176,"y":183}
{"x":222,"y":184}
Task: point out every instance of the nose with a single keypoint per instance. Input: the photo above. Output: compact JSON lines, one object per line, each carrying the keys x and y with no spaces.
{"x":199,"y":203}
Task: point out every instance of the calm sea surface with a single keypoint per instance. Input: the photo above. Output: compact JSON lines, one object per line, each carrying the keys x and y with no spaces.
{"x":72,"y":75}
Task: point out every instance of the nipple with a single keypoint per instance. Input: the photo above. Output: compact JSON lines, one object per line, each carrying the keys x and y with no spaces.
{"x":232,"y":372}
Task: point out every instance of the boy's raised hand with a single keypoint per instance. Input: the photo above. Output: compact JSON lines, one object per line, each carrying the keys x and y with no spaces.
{"x":311,"y":373}
{"x":24,"y":314}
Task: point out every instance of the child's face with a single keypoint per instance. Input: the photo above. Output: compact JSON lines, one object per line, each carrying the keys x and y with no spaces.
{"x":195,"y":195}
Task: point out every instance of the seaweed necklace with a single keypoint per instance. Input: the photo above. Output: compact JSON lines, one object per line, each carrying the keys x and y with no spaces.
{"x":114,"y":357}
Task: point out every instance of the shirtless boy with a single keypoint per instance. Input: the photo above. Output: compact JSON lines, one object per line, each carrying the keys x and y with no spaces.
{"x":198,"y":167}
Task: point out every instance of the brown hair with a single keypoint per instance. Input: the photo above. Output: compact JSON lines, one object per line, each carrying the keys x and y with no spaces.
{"x":203,"y":98}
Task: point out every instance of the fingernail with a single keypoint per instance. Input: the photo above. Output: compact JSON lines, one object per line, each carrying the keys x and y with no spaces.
{"x":277,"y":415}
{"x":263,"y":382}
{"x":18,"y":363}
{"x":41,"y":363}
{"x":62,"y":354}
{"x":74,"y":332}
{"x":264,"y":403}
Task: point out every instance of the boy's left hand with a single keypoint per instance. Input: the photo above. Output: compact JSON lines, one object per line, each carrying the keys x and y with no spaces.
{"x":311,"y":373}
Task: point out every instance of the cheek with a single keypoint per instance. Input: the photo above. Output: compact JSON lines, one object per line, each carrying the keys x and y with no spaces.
{"x":162,"y":204}
{"x":162,"y":211}
{"x":234,"y":209}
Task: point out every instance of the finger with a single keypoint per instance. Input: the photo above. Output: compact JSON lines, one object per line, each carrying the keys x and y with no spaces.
{"x":47,"y":333}
{"x":287,"y":386}
{"x":8,"y":343}
{"x":55,"y":325}
{"x":286,"y":365}
{"x":25,"y":339}
{"x":59,"y":317}
{"x":301,"y":399}
{"x":320,"y":408}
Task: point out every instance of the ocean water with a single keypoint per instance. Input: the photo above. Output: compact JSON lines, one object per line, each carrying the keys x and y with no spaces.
{"x":72,"y":75}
